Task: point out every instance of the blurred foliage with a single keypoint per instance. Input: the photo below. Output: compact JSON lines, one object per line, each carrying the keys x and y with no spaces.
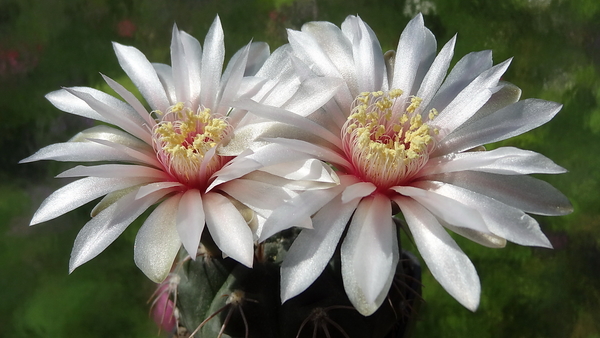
{"x":527,"y":292}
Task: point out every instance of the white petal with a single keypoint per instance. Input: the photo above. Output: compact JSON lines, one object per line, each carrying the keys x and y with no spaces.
{"x":193,"y":58}
{"x":370,"y":254}
{"x":228,"y":228}
{"x":152,"y":187}
{"x":320,"y":152}
{"x":165,"y":75}
{"x":447,"y":209}
{"x":212,"y":64}
{"x":232,"y":79}
{"x":470,"y":99}
{"x":284,"y":116}
{"x":358,"y":190}
{"x":463,"y":73}
{"x":312,"y":249}
{"x":501,"y":219}
{"x":304,"y":170}
{"x":436,"y":73}
{"x":510,"y":121}
{"x":259,"y":196}
{"x":312,"y":94}
{"x":78,"y":193}
{"x":121,"y":115}
{"x":102,"y":230}
{"x":143,"y":75}
{"x":367,"y":55}
{"x":190,"y":221}
{"x":414,"y":49}
{"x":336,"y":46}
{"x":522,"y":192}
{"x":69,"y":103}
{"x":504,"y":160}
{"x":132,"y":101}
{"x":157,"y":242}
{"x":115,"y":170}
{"x":138,"y":156}
{"x":80,"y":149}
{"x":298,"y":209}
{"x":179,"y":66}
{"x":446,"y":261}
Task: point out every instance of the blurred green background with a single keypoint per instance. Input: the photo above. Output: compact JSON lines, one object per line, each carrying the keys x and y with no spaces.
{"x":527,"y":292}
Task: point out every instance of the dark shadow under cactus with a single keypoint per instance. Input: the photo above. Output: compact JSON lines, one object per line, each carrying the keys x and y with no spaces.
{"x":222,"y":296}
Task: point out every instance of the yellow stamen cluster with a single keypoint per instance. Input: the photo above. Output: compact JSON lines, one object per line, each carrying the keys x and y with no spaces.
{"x":387,"y":144}
{"x":183,"y":138}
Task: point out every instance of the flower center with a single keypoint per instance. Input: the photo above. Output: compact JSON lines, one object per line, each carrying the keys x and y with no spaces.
{"x":183,"y":141}
{"x":387,"y":147}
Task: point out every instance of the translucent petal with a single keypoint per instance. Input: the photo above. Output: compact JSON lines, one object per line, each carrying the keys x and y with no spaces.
{"x":470,"y":99}
{"x":370,"y":254}
{"x":366,"y":52}
{"x":313,"y":248}
{"x":132,"y":101}
{"x":228,"y":228}
{"x":115,"y":170}
{"x":436,"y":73}
{"x":212,"y":64}
{"x":523,"y":192}
{"x":501,"y":219}
{"x":69,"y":103}
{"x":193,"y":58}
{"x":190,"y":221}
{"x":157,"y":242}
{"x":102,"y":230}
{"x":510,"y":121}
{"x":446,"y":261}
{"x":143,"y":75}
{"x":358,"y":190}
{"x":446,"y":209}
{"x":80,"y":192}
{"x":181,"y":76}
{"x":504,"y":160}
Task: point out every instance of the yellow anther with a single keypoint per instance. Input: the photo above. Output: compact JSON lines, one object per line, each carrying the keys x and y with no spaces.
{"x":387,"y":146}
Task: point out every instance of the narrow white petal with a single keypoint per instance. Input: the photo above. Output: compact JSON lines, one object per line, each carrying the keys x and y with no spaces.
{"x":501,"y":219}
{"x":312,"y":94}
{"x":367,"y":55}
{"x":446,"y":261}
{"x":157,"y":242}
{"x":78,"y":193}
{"x":295,"y":211}
{"x":80,"y":148}
{"x":143,"y":75}
{"x":228,"y":228}
{"x":115,"y":170}
{"x":179,"y":66}
{"x":70,"y":103}
{"x":313,"y":248}
{"x":358,"y":190}
{"x":212,"y":64}
{"x":508,"y":122}
{"x":139,"y":156}
{"x":232,"y":79}
{"x":519,"y":191}
{"x":437,"y":72}
{"x":304,"y":170}
{"x":190,"y":221}
{"x":470,"y":99}
{"x":165,"y":75}
{"x":152,"y":187}
{"x":463,"y":73}
{"x":446,"y":209}
{"x":103,"y":229}
{"x":414,"y":49}
{"x":320,"y":152}
{"x":504,"y":160}
{"x":370,"y":254}
{"x":121,"y":115}
{"x":336,"y":46}
{"x":284,"y":116}
{"x":261,"y":197}
{"x":193,"y":58}
{"x":132,"y":101}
